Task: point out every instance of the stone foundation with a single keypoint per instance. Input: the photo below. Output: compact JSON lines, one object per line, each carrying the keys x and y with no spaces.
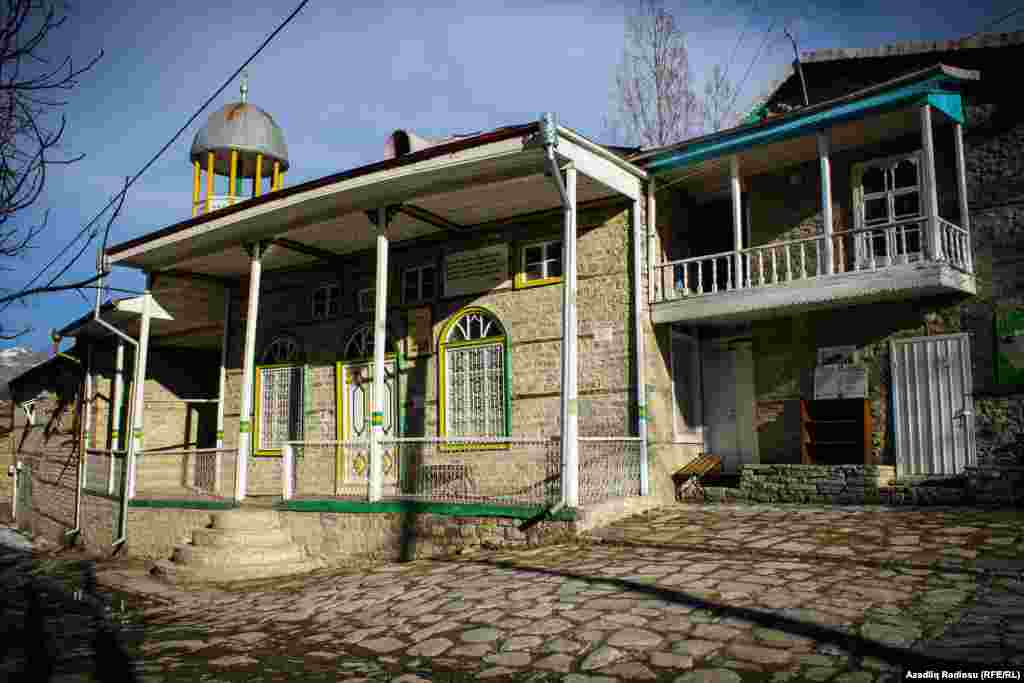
{"x":871,"y":484}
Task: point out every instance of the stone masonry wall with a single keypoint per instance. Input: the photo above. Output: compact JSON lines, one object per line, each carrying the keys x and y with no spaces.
{"x":993,"y":144}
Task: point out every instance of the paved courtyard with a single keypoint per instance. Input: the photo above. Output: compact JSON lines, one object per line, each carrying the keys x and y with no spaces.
{"x":685,"y":593}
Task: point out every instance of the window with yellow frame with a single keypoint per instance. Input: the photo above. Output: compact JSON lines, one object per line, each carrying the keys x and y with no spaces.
{"x":474,"y":376}
{"x":540,"y":263}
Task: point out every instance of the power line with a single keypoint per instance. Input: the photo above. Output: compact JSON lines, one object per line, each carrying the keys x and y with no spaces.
{"x":131,"y":181}
{"x":739,"y":40}
{"x":997,"y":21}
{"x":750,"y":66}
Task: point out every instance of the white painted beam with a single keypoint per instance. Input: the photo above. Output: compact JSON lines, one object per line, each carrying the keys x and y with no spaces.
{"x":931,"y":198}
{"x":737,"y":220}
{"x":138,"y":415}
{"x":961,"y":180}
{"x":245,"y":425}
{"x":569,"y":399}
{"x":599,"y":168}
{"x":376,"y":473}
{"x":825,"y":165}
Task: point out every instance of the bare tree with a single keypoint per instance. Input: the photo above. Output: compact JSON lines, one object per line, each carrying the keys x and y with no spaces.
{"x":656,"y":103}
{"x":719,"y":93}
{"x":32,"y":121}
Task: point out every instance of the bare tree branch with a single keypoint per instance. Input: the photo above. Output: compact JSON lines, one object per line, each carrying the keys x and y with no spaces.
{"x":32,"y":122}
{"x":656,"y":100}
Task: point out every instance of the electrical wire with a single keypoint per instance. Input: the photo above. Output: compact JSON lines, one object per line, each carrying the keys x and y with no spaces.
{"x":153,"y":160}
{"x":997,"y":21}
{"x":750,"y":66}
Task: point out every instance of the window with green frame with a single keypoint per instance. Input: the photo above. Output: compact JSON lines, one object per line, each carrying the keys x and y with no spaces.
{"x":474,"y":376}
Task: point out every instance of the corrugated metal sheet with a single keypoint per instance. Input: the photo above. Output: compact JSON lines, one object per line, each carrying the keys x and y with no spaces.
{"x":932,"y":404}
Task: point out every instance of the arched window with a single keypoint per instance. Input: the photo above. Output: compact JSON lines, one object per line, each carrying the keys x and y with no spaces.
{"x":279,"y":396}
{"x":283,"y":349}
{"x":474,"y":377}
{"x":360,"y":343}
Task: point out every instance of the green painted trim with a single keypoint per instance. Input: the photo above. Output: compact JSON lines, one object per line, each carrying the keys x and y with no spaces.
{"x":742,"y":139}
{"x":184,"y":504}
{"x":423,"y":507}
{"x":243,"y":426}
{"x":101,"y":494}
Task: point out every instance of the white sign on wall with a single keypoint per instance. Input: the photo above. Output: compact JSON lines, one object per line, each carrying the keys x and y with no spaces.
{"x":840,"y":381}
{"x":478,"y":270}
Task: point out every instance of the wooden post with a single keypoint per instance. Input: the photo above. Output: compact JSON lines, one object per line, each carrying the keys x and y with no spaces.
{"x":245,"y":435}
{"x":376,"y":474}
{"x":737,"y":215}
{"x":961,"y":179}
{"x":931,"y":199}
{"x":257,"y":179}
{"x":222,"y":391}
{"x":277,"y":176}
{"x":195,"y":187}
{"x":233,"y":177}
{"x":569,"y":400}
{"x":826,"y":199}
{"x":139,"y":391}
{"x":209,"y":181}
{"x":115,"y":411}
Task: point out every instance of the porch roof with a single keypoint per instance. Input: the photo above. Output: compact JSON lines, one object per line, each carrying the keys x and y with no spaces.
{"x":457,"y":187}
{"x":939,"y":85}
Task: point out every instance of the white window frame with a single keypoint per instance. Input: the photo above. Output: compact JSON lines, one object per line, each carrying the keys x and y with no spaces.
{"x":332,"y":295}
{"x":863,"y":258}
{"x":694,"y":434}
{"x":366,"y":299}
{"x":296,"y":421}
{"x":521,"y":278}
{"x":420,"y":279}
{"x":30,"y":411}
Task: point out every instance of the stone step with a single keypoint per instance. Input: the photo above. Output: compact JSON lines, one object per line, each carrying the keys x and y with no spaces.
{"x":177,"y":573}
{"x":240,"y":538}
{"x":254,"y":520}
{"x":235,"y":557}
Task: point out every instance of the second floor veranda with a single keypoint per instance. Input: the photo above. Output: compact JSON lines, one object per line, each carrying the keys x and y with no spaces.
{"x":849,"y":201}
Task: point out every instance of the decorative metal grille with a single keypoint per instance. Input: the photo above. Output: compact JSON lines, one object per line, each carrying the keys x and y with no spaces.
{"x":476,"y":390}
{"x":281,"y":406}
{"x":609,"y":468}
{"x":283,"y":349}
{"x":205,"y":477}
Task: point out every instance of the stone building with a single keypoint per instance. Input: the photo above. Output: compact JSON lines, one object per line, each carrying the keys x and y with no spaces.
{"x":489,"y":328}
{"x":876,"y":228}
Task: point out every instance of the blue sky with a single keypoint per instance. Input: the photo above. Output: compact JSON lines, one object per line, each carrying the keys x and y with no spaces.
{"x":339,"y":79}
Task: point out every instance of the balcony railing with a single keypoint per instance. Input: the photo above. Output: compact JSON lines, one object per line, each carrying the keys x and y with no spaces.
{"x":217,"y":201}
{"x":861,"y":250}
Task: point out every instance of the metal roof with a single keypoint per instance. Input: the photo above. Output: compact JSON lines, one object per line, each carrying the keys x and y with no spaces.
{"x":244,"y":127}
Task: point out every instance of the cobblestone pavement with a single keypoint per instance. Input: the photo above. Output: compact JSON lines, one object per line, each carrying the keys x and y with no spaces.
{"x":686,"y":593}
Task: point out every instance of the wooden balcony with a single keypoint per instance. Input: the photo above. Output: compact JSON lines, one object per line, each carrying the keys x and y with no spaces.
{"x":907,"y":259}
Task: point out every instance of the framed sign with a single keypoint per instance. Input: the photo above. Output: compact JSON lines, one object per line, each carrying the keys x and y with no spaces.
{"x":840,"y":381}
{"x":478,"y":270}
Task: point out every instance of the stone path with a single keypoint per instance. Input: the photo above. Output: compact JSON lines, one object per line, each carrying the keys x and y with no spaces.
{"x":682,"y":594}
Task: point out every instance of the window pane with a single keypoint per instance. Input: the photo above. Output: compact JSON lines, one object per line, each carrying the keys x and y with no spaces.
{"x":905,"y":174}
{"x":281,"y":406}
{"x":554,"y":250}
{"x":476,"y":386}
{"x":555,"y":268}
{"x":410,"y":292}
{"x":908,"y":204}
{"x":876,"y":210}
{"x":873,"y":180}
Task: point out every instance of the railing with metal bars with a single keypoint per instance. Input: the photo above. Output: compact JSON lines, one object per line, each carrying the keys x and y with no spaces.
{"x":858,"y":250}
{"x":609,"y":467}
{"x":186,"y":472}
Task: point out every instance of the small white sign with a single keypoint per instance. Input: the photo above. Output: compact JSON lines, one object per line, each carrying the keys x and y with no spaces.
{"x":840,"y":381}
{"x":479,"y":270}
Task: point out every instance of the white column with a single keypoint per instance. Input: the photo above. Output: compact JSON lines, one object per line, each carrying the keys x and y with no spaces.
{"x":638,"y":331}
{"x":826,"y":199}
{"x":569,"y":405}
{"x":737,"y":220}
{"x":931,"y":198}
{"x":115,"y":412}
{"x":222,"y":390}
{"x":248,"y":372}
{"x":961,"y":180}
{"x":138,"y":415}
{"x":655,"y":277}
{"x":376,"y":484}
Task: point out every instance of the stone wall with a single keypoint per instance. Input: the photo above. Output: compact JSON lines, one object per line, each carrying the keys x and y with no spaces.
{"x":993,"y":143}
{"x":831,"y":484}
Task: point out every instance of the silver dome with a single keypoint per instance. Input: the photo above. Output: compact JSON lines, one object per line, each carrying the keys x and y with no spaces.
{"x":246,"y":128}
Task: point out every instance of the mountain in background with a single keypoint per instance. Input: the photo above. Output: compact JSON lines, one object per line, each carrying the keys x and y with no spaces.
{"x":13,"y":362}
